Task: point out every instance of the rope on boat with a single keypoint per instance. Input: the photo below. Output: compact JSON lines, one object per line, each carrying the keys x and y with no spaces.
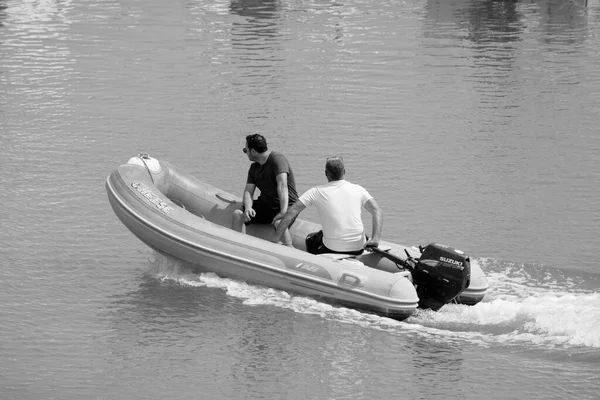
{"x":144,"y":157}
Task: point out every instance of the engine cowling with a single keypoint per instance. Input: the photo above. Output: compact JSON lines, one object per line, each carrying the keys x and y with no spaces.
{"x":440,"y":274}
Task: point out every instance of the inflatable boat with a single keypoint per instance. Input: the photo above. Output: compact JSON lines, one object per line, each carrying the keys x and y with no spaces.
{"x":182,"y":216}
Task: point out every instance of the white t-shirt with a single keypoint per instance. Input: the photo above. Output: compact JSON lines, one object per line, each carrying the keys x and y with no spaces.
{"x":339,"y":205}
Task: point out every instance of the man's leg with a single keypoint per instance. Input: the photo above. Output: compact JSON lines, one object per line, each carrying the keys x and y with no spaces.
{"x":238,"y":221}
{"x":286,"y":239}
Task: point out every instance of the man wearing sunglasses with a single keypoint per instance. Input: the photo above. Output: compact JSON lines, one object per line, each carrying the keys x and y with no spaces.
{"x":271,"y":173}
{"x":339,"y":204}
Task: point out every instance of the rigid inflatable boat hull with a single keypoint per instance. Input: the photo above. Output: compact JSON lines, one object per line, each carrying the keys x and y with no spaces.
{"x":179,"y":215}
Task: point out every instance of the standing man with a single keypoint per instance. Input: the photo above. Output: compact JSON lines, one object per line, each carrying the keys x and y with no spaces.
{"x":271,"y":173}
{"x":339,"y":205}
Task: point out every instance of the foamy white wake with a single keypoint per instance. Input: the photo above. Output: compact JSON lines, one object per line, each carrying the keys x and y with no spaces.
{"x":547,"y":311}
{"x":512,"y":312}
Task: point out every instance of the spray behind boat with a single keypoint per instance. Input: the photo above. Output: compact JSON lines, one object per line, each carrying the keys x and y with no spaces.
{"x":439,"y":274}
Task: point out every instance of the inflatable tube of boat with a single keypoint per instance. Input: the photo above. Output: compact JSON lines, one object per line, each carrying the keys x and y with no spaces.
{"x":182,"y":216}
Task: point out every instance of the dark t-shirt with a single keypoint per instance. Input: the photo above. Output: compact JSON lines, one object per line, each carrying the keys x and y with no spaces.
{"x":265,"y":178}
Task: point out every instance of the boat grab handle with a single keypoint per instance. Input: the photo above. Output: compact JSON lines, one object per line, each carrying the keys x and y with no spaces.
{"x":349,"y":280}
{"x":226,"y":198}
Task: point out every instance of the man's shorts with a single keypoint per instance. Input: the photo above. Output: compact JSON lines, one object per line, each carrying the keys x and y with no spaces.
{"x":315,"y":245}
{"x":264,"y":213}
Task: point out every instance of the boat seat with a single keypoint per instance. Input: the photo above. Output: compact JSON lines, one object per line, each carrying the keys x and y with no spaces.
{"x":263,"y":231}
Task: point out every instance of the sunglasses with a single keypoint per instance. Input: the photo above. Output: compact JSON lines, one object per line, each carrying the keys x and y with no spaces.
{"x":245,"y":150}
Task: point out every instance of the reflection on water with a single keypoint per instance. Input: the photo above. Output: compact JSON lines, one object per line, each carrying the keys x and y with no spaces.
{"x":258,"y":53}
{"x":563,"y":22}
{"x":495,"y":21}
{"x":3,"y":8}
{"x":484,"y":40}
{"x":259,"y":9}
{"x":506,"y":21}
{"x":257,"y":36}
{"x":478,"y":21}
{"x":493,"y":35}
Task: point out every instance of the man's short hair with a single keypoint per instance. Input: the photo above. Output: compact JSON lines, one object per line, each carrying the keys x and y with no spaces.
{"x":334,"y":167}
{"x":257,"y":142}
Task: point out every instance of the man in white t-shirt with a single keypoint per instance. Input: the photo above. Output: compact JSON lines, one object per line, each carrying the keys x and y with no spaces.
{"x":339,"y":205}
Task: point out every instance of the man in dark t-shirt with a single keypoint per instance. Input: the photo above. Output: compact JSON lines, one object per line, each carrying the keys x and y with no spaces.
{"x":271,"y":173}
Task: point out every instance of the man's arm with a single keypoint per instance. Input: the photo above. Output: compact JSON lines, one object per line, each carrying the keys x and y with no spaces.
{"x":372,"y":207}
{"x":282,"y":192}
{"x":287,"y":219}
{"x":248,"y":195}
{"x":247,"y":200}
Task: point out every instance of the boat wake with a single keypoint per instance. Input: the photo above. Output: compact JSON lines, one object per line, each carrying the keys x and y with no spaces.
{"x":532,"y":304}
{"x":526,"y":305}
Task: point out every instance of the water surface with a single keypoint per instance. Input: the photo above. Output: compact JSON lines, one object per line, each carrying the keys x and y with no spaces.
{"x":473,"y":123}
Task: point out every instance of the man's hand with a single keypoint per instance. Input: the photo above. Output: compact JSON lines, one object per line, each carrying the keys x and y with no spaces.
{"x":249,"y":213}
{"x":372,"y":243}
{"x":279,"y":216}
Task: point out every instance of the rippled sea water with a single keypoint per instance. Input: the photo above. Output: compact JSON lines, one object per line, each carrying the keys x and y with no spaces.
{"x":473,"y":123}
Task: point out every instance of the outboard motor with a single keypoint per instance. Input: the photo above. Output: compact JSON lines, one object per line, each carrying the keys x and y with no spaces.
{"x":440,"y":274}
